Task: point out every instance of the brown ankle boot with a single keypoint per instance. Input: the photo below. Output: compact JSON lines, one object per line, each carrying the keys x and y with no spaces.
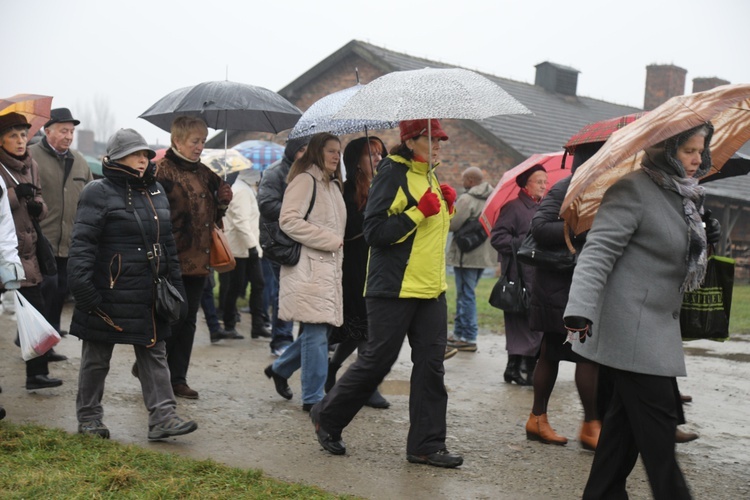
{"x":538,"y":429}
{"x":589,"y":436}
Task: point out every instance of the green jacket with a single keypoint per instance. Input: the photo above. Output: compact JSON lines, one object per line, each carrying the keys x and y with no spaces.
{"x":62,"y":180}
{"x":407,"y":250}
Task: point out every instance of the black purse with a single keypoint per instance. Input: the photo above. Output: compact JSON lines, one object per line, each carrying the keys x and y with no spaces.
{"x":705,"y":311}
{"x":279,"y":247}
{"x":168,"y":300}
{"x":511,"y":296}
{"x":533,"y":254}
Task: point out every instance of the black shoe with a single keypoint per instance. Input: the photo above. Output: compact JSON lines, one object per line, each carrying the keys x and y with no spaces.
{"x":53,"y":356}
{"x":377,"y":401}
{"x":233,"y":335}
{"x":41,"y":382}
{"x":282,"y":386}
{"x":332,"y":444}
{"x":219,"y":335}
{"x":307,"y":407}
{"x":2,"y":413}
{"x":442,"y":458}
{"x":260,"y":331}
{"x":63,"y":333}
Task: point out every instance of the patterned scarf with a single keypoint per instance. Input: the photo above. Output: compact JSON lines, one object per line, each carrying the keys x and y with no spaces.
{"x":662,"y":166}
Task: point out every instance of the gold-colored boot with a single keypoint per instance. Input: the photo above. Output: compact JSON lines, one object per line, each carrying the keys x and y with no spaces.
{"x":589,"y":436}
{"x":538,"y":429}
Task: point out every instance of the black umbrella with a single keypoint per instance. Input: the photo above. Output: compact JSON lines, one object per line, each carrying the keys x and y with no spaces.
{"x":737,"y":164}
{"x":226,"y":105}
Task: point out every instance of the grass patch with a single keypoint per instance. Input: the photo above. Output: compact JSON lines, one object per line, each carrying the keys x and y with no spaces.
{"x":50,"y":463}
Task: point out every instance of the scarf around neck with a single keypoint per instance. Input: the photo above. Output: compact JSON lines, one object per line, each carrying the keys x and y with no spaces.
{"x":662,"y":166}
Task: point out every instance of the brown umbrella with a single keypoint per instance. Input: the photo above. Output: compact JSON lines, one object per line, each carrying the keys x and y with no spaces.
{"x":36,"y":109}
{"x":728,"y":107}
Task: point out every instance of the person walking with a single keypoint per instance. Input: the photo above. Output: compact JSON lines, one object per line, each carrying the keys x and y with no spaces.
{"x":20,"y":173}
{"x":270,"y":196}
{"x":361,"y":157}
{"x":313,"y":214}
{"x":112,"y":282}
{"x":469,"y":266}
{"x":649,"y":225}
{"x":406,"y":225}
{"x":63,"y":172}
{"x":511,"y":226}
{"x":198,"y":199}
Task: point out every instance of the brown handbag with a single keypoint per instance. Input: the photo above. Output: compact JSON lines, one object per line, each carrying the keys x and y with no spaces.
{"x":221,"y":258}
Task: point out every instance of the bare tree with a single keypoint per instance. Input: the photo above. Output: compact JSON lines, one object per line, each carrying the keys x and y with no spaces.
{"x":98,"y":117}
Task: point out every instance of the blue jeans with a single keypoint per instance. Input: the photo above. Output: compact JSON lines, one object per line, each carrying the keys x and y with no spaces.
{"x":281,"y":331}
{"x":309,"y":352}
{"x":465,"y":326}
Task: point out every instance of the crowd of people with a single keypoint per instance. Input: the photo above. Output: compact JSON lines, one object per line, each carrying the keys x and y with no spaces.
{"x":374,"y":255}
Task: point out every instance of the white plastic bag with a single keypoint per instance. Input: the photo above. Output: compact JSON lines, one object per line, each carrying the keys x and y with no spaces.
{"x":36,"y":335}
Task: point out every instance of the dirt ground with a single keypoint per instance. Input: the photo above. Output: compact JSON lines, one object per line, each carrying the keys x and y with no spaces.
{"x":244,"y":423}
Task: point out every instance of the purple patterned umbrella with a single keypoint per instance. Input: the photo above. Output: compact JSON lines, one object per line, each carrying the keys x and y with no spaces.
{"x":261,"y":153}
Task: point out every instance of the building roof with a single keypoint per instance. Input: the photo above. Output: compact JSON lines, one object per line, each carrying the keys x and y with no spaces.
{"x":556,"y":116}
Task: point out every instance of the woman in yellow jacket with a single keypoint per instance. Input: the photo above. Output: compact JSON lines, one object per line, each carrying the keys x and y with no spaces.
{"x":407,"y":218}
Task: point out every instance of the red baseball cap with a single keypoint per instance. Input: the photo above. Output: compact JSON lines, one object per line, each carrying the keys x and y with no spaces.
{"x":414,"y":128}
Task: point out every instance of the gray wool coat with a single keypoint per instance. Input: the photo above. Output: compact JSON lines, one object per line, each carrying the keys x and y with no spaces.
{"x":628,"y":277}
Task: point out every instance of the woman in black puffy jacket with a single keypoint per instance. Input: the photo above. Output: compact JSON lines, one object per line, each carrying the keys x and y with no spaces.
{"x":111,"y":279}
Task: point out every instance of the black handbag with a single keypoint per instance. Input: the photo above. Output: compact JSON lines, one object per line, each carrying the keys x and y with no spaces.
{"x":511,"y":296}
{"x":533,"y":254}
{"x":168,"y":300}
{"x":279,"y":247}
{"x":705,"y":311}
{"x":45,"y":255}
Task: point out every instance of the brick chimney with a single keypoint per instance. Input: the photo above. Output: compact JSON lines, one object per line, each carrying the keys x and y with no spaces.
{"x":663,"y":81}
{"x":557,"y":78}
{"x":701,"y":84}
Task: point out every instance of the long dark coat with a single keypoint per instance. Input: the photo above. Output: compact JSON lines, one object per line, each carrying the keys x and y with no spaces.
{"x":108,"y":271}
{"x":510,"y":229}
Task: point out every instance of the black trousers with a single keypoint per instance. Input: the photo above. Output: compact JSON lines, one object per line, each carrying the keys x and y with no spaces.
{"x":38,"y":365}
{"x":247,"y":270}
{"x":180,"y":343}
{"x":390,"y":320}
{"x":641,"y":418}
{"x":54,"y":291}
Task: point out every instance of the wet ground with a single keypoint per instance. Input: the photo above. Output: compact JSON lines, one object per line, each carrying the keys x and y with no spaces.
{"x":244,"y":423}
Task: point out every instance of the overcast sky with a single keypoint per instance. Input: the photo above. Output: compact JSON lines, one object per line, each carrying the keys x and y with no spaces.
{"x":130,"y":53}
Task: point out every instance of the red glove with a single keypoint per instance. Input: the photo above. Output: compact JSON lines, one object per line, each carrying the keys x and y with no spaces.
{"x":449,"y":194}
{"x":224,"y":194}
{"x":429,"y":204}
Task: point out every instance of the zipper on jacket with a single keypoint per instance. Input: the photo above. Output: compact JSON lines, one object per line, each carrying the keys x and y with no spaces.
{"x":107,"y":319}
{"x":113,"y":279}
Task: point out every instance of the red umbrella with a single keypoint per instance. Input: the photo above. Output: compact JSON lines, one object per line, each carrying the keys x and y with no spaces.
{"x":36,"y":109}
{"x":507,"y":189}
{"x":601,"y":130}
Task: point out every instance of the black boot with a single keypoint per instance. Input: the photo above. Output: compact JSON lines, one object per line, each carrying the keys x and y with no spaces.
{"x":513,"y":370}
{"x":259,"y":330}
{"x":331,"y":380}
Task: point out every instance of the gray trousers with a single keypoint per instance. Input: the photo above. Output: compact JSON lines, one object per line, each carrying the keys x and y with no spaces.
{"x":153,"y":373}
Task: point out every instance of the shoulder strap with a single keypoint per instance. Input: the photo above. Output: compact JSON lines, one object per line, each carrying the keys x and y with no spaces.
{"x":312,"y":200}
{"x":154,"y":249}
{"x":10,"y":174}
